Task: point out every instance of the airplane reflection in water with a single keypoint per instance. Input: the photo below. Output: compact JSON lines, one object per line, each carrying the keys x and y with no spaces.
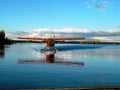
{"x":50,"y":58}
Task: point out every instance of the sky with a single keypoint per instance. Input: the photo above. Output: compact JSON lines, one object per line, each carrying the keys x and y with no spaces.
{"x":27,"y":15}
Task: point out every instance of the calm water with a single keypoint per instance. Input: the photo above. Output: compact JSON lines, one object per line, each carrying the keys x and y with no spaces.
{"x":23,"y":66}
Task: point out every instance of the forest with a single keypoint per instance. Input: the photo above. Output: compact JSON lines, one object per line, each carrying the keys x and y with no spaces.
{"x":3,"y":39}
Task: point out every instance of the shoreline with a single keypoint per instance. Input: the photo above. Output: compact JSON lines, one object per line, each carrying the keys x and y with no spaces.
{"x":88,"y":88}
{"x":68,"y":42}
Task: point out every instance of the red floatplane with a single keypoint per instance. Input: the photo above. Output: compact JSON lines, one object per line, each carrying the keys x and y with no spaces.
{"x":50,"y":42}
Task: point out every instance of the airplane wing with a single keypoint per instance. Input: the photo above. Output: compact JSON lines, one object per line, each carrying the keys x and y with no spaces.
{"x":29,"y":38}
{"x":81,"y":38}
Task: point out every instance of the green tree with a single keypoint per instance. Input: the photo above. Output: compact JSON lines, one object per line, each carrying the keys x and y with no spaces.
{"x":2,"y":37}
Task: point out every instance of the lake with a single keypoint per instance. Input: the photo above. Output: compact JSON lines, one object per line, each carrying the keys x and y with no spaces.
{"x":72,"y":66}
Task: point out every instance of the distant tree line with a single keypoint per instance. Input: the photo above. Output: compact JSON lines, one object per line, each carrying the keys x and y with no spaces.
{"x":3,"y":39}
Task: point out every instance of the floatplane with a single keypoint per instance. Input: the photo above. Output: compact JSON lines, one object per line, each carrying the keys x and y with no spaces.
{"x":50,"y":46}
{"x":50,"y":42}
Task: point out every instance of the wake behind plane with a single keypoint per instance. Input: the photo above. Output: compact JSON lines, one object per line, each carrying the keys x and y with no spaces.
{"x":50,"y":42}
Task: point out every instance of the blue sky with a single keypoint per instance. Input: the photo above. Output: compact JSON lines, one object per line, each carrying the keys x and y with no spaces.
{"x":25,"y":15}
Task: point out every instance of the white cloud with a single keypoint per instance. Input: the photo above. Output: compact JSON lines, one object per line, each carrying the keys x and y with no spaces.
{"x":100,"y":5}
{"x":88,"y":5}
{"x":107,"y":38}
{"x":71,"y":30}
{"x":106,"y":35}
